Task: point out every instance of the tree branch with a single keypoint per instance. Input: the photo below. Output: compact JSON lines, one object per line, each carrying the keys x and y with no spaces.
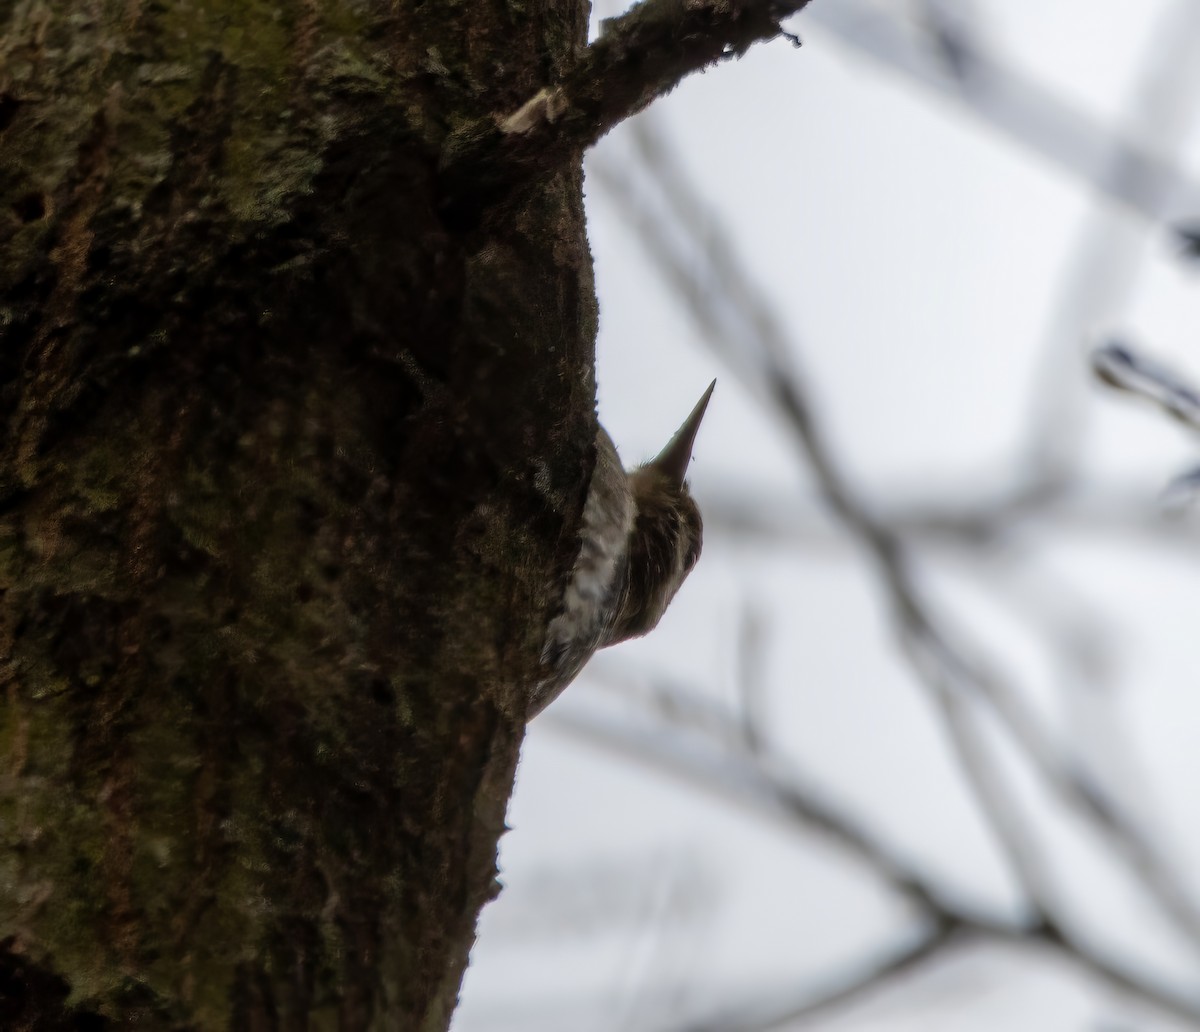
{"x":643,"y":54}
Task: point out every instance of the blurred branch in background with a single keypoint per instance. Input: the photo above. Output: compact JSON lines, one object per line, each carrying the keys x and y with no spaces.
{"x":941,"y":51}
{"x":1124,"y":369}
{"x":1101,"y":275}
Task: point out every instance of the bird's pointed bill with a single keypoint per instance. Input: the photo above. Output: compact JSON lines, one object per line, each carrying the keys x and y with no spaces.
{"x":674,"y":458}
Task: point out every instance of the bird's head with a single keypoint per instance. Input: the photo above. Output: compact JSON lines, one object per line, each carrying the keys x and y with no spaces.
{"x":667,"y":533}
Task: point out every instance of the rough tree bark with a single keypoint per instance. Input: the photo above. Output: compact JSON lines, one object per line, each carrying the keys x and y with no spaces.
{"x":296,"y":372}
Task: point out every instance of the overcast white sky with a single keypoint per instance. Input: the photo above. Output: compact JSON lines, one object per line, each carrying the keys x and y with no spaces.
{"x":923,"y":262}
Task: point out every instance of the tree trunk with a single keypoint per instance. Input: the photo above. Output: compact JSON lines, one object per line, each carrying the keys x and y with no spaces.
{"x":296,"y":446}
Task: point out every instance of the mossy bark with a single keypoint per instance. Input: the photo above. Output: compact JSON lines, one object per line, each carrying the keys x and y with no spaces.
{"x":293,"y":458}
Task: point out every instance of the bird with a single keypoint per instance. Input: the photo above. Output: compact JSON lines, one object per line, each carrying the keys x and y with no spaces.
{"x":640,"y":536}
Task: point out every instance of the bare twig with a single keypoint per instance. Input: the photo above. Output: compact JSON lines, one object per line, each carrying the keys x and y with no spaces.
{"x":1122,"y":368}
{"x":640,"y":55}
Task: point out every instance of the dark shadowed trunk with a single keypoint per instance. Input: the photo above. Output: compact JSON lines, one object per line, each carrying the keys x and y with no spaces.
{"x":294,"y":449}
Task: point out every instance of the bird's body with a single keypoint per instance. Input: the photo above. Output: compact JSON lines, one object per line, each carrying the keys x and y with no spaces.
{"x":640,"y":536}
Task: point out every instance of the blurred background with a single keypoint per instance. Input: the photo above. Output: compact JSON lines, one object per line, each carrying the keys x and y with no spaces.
{"x":917,"y":747}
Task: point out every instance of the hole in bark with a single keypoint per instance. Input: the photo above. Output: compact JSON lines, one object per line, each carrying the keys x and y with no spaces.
{"x":9,"y":105}
{"x":382,"y":691}
{"x":31,"y":207}
{"x":32,"y":997}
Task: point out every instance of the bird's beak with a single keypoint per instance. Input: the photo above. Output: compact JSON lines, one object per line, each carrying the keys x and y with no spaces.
{"x":674,"y":458}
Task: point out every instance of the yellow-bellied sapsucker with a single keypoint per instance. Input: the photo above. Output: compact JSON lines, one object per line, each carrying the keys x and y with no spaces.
{"x":640,"y":537}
